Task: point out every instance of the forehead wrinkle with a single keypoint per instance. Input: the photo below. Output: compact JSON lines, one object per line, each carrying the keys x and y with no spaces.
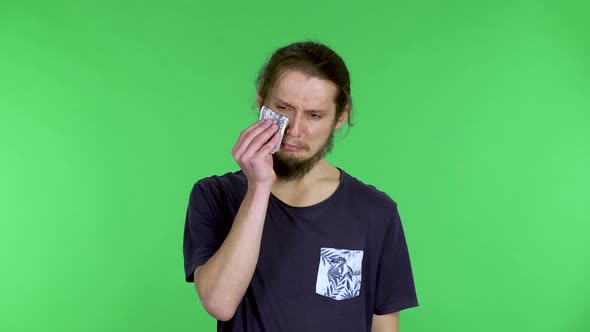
{"x":289,"y":105}
{"x":293,"y":88}
{"x":286,"y":103}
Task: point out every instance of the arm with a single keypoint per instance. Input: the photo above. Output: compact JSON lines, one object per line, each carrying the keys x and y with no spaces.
{"x":222,"y":281}
{"x":386,"y":323}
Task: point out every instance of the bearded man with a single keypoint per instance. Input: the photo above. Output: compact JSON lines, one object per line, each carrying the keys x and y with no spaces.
{"x":291,"y":242}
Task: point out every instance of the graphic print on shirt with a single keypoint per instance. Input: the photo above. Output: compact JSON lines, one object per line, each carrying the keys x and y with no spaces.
{"x":339,"y":274}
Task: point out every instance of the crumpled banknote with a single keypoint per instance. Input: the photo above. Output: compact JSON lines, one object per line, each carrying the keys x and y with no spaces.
{"x":280,"y":120}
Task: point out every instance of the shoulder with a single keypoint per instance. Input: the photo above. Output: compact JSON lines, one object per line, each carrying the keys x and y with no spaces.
{"x":228,"y":180}
{"x":229,"y":184}
{"x":377,"y":207}
{"x":367,"y":193}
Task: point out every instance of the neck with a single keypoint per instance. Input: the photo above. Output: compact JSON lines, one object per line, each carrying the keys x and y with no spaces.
{"x":317,"y":185}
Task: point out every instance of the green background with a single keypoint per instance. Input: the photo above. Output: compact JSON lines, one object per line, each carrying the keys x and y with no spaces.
{"x":474,"y":116}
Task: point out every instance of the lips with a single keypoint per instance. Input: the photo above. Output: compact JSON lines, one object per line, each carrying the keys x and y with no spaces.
{"x":291,"y":147}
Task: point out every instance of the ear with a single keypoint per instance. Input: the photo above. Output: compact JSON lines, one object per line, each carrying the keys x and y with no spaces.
{"x":343,"y":117}
{"x":258,"y":99}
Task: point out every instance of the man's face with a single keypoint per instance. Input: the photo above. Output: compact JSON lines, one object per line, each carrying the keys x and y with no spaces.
{"x":309,"y":104}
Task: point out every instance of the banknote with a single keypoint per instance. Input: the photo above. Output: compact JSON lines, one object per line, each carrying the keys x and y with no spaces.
{"x":280,"y":120}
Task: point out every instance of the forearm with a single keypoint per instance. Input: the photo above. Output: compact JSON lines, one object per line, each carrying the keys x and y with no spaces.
{"x":222,"y":282}
{"x":386,"y":323}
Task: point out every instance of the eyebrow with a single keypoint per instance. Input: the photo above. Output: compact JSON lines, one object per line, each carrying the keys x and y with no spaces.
{"x":289,"y":105}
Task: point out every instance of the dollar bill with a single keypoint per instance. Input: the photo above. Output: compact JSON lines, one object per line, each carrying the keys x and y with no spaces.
{"x":280,"y":120}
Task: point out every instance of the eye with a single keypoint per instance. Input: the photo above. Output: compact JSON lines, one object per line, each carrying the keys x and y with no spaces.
{"x":315,"y":116}
{"x":281,"y":107}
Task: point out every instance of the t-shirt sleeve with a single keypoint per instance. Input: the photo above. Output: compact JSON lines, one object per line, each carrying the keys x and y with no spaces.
{"x":395,"y":282}
{"x":202,"y":233}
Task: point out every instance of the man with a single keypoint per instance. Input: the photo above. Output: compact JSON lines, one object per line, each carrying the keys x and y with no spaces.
{"x":290,"y":242}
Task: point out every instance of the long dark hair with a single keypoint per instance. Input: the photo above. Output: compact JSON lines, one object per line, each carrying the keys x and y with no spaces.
{"x":314,"y":59}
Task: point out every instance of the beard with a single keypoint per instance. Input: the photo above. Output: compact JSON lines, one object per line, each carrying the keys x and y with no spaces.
{"x":291,"y":169}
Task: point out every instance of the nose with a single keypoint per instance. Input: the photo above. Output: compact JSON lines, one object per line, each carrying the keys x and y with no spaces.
{"x":293,"y":126}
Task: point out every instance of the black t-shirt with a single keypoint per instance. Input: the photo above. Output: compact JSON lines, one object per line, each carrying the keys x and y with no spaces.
{"x":325,"y":267}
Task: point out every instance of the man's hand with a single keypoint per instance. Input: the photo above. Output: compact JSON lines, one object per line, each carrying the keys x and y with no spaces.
{"x":252,"y":152}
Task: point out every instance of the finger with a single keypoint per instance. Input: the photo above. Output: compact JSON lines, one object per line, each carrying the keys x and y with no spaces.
{"x":246,"y":140}
{"x":248,"y":135}
{"x":259,"y":141}
{"x":249,"y":129}
{"x":267,"y":148}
